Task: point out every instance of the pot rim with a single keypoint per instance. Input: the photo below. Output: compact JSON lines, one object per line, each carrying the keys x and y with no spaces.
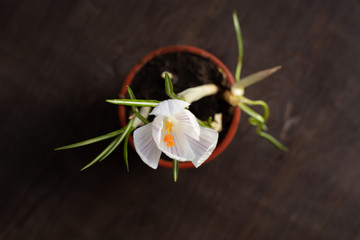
{"x":202,"y":53}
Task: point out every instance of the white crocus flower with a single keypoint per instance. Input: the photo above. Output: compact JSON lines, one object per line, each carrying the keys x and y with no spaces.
{"x":175,"y":132}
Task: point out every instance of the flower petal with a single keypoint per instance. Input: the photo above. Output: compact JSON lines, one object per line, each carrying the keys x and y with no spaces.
{"x":157,"y":126}
{"x":146,"y":147}
{"x":205,"y":146}
{"x":188,"y":123}
{"x":181,"y":150}
{"x":169,"y":107}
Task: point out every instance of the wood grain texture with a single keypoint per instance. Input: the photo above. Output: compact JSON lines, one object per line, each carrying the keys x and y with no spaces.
{"x":59,"y":61}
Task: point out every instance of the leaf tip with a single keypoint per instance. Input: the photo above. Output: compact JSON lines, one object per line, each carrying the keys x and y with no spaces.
{"x":84,"y":168}
{"x":274,"y":69}
{"x":284,"y":148}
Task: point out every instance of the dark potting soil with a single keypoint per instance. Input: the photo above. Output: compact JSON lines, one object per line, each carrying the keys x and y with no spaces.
{"x":188,"y":71}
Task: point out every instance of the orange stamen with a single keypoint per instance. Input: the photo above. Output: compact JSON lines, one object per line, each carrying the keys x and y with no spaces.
{"x":168,"y":138}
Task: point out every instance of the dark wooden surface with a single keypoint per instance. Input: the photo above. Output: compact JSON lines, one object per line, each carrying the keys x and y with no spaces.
{"x":59,"y":61}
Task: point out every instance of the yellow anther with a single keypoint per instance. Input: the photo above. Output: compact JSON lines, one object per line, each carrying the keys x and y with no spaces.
{"x":168,"y":126}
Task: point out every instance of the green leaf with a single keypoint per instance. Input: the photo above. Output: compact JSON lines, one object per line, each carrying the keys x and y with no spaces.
{"x":204,"y":124}
{"x":134,"y":102}
{"x":126,"y":141}
{"x":103,"y":153}
{"x":175,"y":169}
{"x":141,"y":117}
{"x":128,"y":130}
{"x":240,"y":46}
{"x":251,"y":113}
{"x":134,"y":109}
{"x":132,"y":96}
{"x":259,"y":103}
{"x":253,"y":122}
{"x":271,"y":139}
{"x":259,"y":121}
{"x":169,"y":87}
{"x":130,"y":92}
{"x":92,"y":140}
{"x":111,"y":147}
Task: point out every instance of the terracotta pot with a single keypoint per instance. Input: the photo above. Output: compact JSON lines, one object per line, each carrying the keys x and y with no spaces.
{"x":196,"y":51}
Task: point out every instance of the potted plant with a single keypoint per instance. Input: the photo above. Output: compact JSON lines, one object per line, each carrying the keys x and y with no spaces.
{"x":186,"y":108}
{"x":190,"y":67}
